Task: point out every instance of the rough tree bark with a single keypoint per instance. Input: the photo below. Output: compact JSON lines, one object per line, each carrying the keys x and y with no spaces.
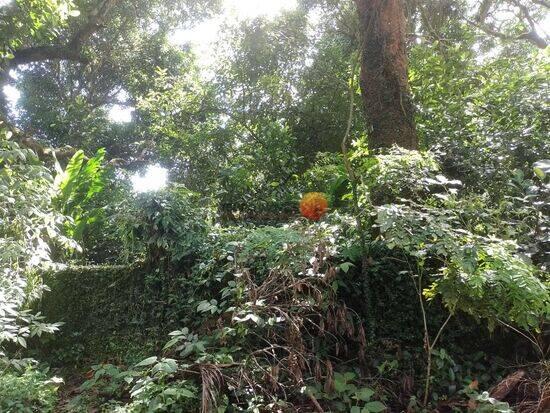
{"x":384,"y":77}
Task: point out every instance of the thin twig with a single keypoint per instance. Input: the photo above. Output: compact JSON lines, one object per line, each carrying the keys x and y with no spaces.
{"x":318,"y":407}
{"x":537,"y":346}
{"x":441,"y":330}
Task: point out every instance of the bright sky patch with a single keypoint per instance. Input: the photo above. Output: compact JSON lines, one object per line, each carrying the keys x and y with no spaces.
{"x":120,"y":114}
{"x":202,"y":36}
{"x":155,"y":178}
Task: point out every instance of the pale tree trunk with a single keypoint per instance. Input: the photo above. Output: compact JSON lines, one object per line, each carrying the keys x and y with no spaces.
{"x":384,"y":77}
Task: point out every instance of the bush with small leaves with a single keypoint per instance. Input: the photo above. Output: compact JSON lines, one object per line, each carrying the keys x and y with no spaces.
{"x":29,"y":391}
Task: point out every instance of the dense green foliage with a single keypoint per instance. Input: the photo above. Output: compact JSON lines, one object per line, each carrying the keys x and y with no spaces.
{"x":30,"y":228}
{"x":29,"y":391}
{"x":423,"y":287}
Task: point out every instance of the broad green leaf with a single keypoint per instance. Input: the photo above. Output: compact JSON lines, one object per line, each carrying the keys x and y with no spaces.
{"x":375,"y":407}
{"x":542,"y":168}
{"x":147,"y":362}
{"x":364,"y":394}
{"x":345,"y":266}
{"x":22,"y":341}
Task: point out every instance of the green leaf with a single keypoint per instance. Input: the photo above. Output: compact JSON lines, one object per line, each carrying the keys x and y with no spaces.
{"x":147,"y":361}
{"x":204,"y":306}
{"x":68,"y":178}
{"x":169,"y":365}
{"x":345,"y":266}
{"x":186,"y":393}
{"x":364,"y":394}
{"x":542,"y":168}
{"x":349,"y":375}
{"x":375,"y":407}
{"x":171,"y":342}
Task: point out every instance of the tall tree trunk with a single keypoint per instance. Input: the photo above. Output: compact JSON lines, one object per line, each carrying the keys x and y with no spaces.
{"x":384,"y":78}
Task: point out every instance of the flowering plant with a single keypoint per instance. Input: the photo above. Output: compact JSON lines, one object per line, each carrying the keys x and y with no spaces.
{"x":313,"y":205}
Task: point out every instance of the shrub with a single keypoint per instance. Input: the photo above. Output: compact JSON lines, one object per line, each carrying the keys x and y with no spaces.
{"x":399,"y":173}
{"x":28,"y":229}
{"x":76,"y":189}
{"x":170,"y":225}
{"x":29,"y":391}
{"x":328,"y":175}
{"x":482,"y":276}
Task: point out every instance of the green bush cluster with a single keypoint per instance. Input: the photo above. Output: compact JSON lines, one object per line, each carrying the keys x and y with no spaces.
{"x":29,"y":391}
{"x":219,"y":287}
{"x":170,"y":226}
{"x":424,"y":285}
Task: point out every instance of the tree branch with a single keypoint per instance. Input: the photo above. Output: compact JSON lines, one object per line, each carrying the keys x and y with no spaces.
{"x":72,"y":50}
{"x":542,"y":3}
{"x":43,"y":152}
{"x":530,"y":36}
{"x":483,"y":10}
{"x":41,"y":53}
{"x":96,"y":20}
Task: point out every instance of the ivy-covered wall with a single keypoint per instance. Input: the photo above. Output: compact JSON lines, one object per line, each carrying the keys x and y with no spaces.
{"x":107,"y":310}
{"x":122,"y":313}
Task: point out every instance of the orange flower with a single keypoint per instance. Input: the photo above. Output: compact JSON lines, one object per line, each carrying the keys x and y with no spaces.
{"x":313,"y":205}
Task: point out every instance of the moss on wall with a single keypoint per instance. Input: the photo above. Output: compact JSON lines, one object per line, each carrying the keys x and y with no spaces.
{"x":110,"y":310}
